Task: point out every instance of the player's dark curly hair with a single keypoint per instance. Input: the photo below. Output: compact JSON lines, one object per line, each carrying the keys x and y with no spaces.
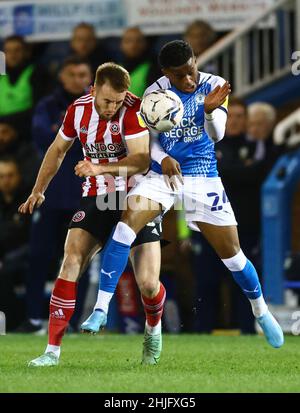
{"x":174,"y":54}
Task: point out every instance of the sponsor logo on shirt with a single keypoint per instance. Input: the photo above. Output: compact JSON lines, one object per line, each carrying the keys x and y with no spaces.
{"x":187,"y":129}
{"x":104,"y":151}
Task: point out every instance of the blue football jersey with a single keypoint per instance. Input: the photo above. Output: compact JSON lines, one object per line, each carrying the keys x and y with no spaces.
{"x":188,"y":142}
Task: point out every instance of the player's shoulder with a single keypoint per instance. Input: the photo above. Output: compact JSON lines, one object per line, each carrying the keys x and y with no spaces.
{"x":132,"y":102}
{"x":211,"y":79}
{"x":83,"y":100}
{"x":161,"y":83}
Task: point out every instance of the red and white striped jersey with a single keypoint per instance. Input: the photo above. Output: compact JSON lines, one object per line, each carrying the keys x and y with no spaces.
{"x":102,"y":141}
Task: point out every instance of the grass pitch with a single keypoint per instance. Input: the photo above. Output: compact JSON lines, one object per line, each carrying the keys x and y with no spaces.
{"x":189,"y":363}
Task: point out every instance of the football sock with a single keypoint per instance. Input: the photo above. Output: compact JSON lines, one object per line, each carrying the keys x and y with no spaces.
{"x":103,"y":301}
{"x":246,"y":277}
{"x":153,"y":308}
{"x":53,"y":349}
{"x":259,"y":307}
{"x":62,"y":305}
{"x":153,"y":330}
{"x":113,"y":262}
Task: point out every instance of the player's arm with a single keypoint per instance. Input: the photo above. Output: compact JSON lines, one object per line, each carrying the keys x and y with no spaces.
{"x":169,"y":166}
{"x":51,"y":162}
{"x":215,"y":111}
{"x":137,"y":140}
{"x":137,"y":160}
{"x":50,"y":165}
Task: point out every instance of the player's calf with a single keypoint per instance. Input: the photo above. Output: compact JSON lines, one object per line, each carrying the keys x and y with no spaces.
{"x":245,"y":275}
{"x":153,"y":308}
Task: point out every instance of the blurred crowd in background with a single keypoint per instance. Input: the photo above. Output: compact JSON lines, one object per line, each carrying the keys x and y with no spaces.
{"x":42,"y":80}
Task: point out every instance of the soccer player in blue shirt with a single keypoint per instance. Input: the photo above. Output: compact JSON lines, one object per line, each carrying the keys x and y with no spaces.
{"x":186,"y":155}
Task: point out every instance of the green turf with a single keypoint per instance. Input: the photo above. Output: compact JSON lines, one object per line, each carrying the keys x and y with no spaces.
{"x":189,"y":363}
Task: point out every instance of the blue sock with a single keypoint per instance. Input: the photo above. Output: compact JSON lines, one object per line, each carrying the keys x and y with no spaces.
{"x":248,"y":280}
{"x":114,"y":258}
{"x":113,"y":262}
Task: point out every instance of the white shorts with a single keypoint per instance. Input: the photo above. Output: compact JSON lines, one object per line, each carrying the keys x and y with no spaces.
{"x":203,"y":199}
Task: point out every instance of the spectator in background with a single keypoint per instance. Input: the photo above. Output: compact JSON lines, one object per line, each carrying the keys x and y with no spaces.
{"x":245,"y":170}
{"x":50,"y":222}
{"x":235,"y":147}
{"x":23,"y":85}
{"x":261,"y":123}
{"x":84,"y":44}
{"x":141,"y":65}
{"x":14,"y":229}
{"x":201,"y":36}
{"x":12,"y":145}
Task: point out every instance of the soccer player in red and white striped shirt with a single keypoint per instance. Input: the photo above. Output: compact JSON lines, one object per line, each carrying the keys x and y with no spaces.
{"x":106,"y":122}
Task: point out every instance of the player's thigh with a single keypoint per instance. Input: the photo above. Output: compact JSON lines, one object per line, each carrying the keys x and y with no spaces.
{"x":224,"y":239}
{"x":139,"y":211}
{"x":146,"y":259}
{"x":80,"y":247}
{"x":146,"y":200}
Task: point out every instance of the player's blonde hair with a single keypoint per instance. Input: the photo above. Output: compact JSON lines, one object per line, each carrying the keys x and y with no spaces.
{"x":114,"y":74}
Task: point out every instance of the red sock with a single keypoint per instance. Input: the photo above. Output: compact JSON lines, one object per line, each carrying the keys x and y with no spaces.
{"x":62,"y":305}
{"x":153,"y":307}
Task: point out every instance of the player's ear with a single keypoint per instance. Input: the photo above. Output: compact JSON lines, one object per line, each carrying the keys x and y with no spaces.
{"x":93,"y":91}
{"x":165,"y":72}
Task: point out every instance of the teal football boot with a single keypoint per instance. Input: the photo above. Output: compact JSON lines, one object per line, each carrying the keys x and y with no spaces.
{"x":96,"y":321}
{"x":152,"y":347}
{"x":271,"y":329}
{"x":46,"y":360}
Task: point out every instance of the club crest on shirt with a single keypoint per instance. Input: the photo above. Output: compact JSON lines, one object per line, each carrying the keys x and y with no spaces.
{"x":78,"y":216}
{"x":200,"y":98}
{"x":84,"y":130}
{"x":114,"y":128}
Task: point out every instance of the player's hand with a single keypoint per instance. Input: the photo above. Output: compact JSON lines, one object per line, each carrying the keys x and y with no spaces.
{"x":87,"y":168}
{"x":216,"y":97}
{"x":34,"y":200}
{"x":171,"y":171}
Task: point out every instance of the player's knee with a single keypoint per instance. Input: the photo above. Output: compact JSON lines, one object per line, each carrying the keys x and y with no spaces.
{"x":134,"y":221}
{"x":149,"y":288}
{"x":128,"y":219}
{"x":235,"y":249}
{"x":231,"y":250}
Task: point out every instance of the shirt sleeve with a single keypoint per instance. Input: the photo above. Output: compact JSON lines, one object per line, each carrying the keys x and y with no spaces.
{"x":215,"y":122}
{"x":219,"y":81}
{"x":157,"y":152}
{"x":133,"y":124}
{"x":67,"y":129}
